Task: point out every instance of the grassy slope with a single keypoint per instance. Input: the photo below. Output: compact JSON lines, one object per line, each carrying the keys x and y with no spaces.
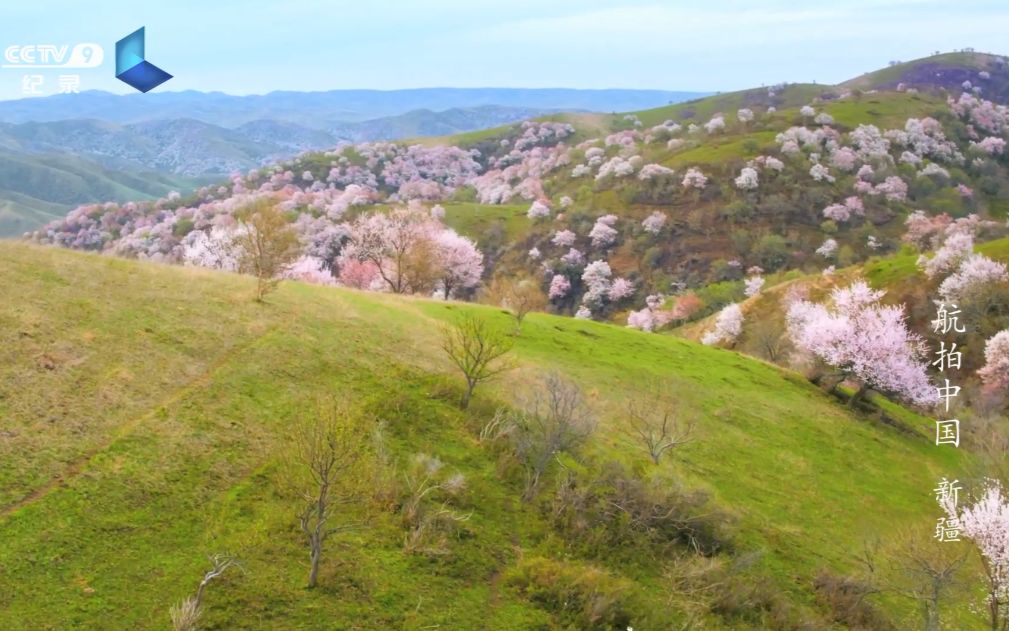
{"x":63,"y":182}
{"x":144,"y":410}
{"x":20,"y":213}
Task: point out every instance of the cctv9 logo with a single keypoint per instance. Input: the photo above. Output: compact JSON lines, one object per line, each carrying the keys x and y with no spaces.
{"x":52,"y":56}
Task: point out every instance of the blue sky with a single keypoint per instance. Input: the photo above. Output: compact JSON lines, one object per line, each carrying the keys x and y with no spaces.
{"x":255,"y":46}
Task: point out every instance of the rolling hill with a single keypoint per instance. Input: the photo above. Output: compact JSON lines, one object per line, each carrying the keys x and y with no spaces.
{"x":38,"y":188}
{"x":947,"y":71}
{"x":147,"y":420}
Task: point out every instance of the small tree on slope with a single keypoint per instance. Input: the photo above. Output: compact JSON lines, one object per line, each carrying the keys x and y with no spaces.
{"x":265,"y":244}
{"x":331,"y":449}
{"x":476,"y":349}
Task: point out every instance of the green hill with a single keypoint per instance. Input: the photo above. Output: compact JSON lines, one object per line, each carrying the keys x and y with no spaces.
{"x":35,"y":189}
{"x":146,"y":410}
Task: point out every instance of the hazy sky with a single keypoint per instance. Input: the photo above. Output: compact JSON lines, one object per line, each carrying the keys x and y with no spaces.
{"x":255,"y":46}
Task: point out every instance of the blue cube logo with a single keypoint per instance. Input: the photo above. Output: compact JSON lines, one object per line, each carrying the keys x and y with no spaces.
{"x":131,"y":67}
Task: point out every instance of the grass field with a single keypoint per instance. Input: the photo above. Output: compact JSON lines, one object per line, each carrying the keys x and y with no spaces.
{"x":145,"y":416}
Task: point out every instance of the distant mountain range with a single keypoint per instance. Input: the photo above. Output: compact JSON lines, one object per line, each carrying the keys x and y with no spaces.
{"x":190,"y":147}
{"x":320,"y":110}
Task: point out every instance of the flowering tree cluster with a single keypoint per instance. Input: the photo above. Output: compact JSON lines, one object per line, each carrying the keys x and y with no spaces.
{"x":995,"y":372}
{"x":596,"y":279}
{"x":820,"y":173}
{"x":925,"y":231}
{"x":411,"y":253}
{"x":600,"y":288}
{"x":652,"y":317}
{"x":974,"y":273}
{"x":653,"y":171}
{"x":748,"y":179}
{"x":955,"y":249}
{"x":693,"y":178}
{"x":753,"y":285}
{"x":654,"y":222}
{"x":618,"y":166}
{"x":827,"y":249}
{"x":603,"y":234}
{"x":564,"y":238}
{"x":852,"y":206}
{"x":728,"y":326}
{"x":309,"y":269}
{"x":992,"y":145}
{"x":538,"y":210}
{"x":892,"y":188}
{"x":325,"y":197}
{"x":864,"y":341}
{"x":716,"y":124}
{"x":560,"y":286}
{"x":980,"y":113}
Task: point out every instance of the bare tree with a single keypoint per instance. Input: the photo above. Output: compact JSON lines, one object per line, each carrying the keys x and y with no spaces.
{"x":332,"y":447}
{"x":929,"y":570}
{"x":554,"y":419}
{"x":477,"y":349}
{"x":655,"y":423}
{"x":769,"y":339}
{"x":917,"y":567}
{"x":186,"y":615}
{"x":519,"y":296}
{"x":265,"y":244}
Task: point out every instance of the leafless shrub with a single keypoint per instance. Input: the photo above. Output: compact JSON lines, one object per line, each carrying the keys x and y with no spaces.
{"x":553,"y":419}
{"x":847,"y":598}
{"x":498,"y":427}
{"x":614,"y":510}
{"x":917,"y":567}
{"x":730,"y":587}
{"x":426,"y":512}
{"x":186,"y":614}
{"x":769,"y":339}
{"x":656,"y":423}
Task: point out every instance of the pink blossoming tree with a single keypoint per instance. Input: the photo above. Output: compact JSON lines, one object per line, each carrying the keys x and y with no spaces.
{"x":986,"y":523}
{"x":863,"y":341}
